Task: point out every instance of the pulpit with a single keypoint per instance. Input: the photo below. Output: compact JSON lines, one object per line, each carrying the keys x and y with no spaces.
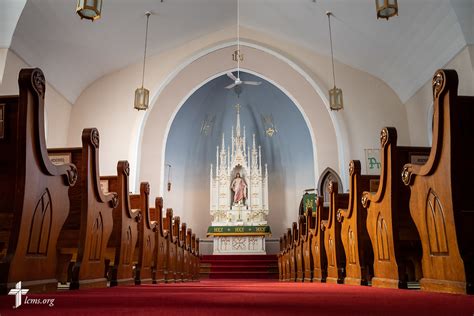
{"x":239,"y":196}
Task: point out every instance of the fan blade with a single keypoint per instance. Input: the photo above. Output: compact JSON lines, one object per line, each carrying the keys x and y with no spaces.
{"x":230,"y":86}
{"x":231,"y":76}
{"x":253,"y":83}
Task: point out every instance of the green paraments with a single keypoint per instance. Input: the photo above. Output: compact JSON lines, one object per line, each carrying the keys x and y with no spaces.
{"x":309,"y":201}
{"x":238,"y":230}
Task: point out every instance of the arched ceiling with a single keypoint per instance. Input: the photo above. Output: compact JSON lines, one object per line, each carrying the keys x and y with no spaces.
{"x":404,"y":51}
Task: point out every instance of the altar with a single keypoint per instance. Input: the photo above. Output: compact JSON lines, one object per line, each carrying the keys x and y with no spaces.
{"x":239,"y":196}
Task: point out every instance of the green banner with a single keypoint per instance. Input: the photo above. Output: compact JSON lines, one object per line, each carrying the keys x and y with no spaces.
{"x":309,"y":201}
{"x":238,"y":230}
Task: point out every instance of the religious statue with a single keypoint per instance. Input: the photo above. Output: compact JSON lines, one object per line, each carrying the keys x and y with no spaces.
{"x":240,"y":189}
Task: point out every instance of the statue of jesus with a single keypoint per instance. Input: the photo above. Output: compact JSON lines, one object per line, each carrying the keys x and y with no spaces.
{"x":240,"y":189}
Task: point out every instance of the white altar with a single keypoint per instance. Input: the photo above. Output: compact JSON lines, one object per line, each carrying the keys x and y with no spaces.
{"x":239,"y":196}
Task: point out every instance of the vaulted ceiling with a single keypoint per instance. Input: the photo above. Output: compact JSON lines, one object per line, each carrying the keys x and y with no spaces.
{"x":403,"y":51}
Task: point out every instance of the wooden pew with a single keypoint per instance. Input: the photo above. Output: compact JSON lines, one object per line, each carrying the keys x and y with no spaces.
{"x":354,"y":235}
{"x":171,"y":253}
{"x":147,"y":228}
{"x":180,"y":262}
{"x":124,"y":237}
{"x":299,"y":249}
{"x":197,"y":265}
{"x":293,"y":240}
{"x":289,"y":266}
{"x":280,"y":261}
{"x":84,"y":236}
{"x":318,"y":251}
{"x":395,"y":241}
{"x":336,"y":258}
{"x":34,"y":202}
{"x":161,"y":250}
{"x":441,"y":204}
{"x":307,"y":257}
{"x":188,"y":257}
{"x":177,"y":257}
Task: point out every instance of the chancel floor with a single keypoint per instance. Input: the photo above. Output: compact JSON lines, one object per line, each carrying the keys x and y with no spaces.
{"x":245,"y":297}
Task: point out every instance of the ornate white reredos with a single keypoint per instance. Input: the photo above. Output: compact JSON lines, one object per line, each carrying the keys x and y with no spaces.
{"x":251,"y":211}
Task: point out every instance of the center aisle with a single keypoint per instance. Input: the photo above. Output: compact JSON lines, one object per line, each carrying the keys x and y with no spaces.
{"x":246,"y":297}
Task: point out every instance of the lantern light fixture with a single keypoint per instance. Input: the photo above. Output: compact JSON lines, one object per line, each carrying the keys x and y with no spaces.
{"x":142,"y":94}
{"x":89,"y":9}
{"x":335,"y":94}
{"x":386,"y":8}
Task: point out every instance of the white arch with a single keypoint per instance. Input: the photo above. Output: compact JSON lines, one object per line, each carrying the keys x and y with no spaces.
{"x":315,"y":83}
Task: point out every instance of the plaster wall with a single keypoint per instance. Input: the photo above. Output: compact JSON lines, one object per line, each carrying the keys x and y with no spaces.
{"x":173,"y":76}
{"x":420,"y":106}
{"x":57,"y":108}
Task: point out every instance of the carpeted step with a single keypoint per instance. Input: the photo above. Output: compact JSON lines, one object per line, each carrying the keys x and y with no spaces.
{"x":239,"y":267}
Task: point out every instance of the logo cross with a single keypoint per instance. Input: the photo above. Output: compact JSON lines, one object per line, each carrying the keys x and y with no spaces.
{"x":18,"y":292}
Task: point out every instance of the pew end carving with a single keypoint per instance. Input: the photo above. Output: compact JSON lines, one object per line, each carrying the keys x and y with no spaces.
{"x":440,"y":203}
{"x":34,"y":203}
{"x":395,"y":241}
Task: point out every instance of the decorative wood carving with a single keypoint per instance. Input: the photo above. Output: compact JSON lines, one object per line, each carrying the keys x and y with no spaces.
{"x":394,"y":238}
{"x":161,"y":253}
{"x":123,"y":240}
{"x":336,"y":257}
{"x":318,"y":251}
{"x":88,"y":227}
{"x":147,"y":228}
{"x":441,"y":204}
{"x":34,"y":200}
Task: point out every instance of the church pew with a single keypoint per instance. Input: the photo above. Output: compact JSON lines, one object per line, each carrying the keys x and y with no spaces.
{"x":318,"y":251}
{"x":441,"y":204}
{"x":188,"y":257}
{"x":161,"y":250}
{"x":34,"y":202}
{"x":280,"y":261}
{"x":180,"y":262}
{"x":288,"y":239}
{"x":178,"y":259}
{"x":293,"y":240}
{"x":171,"y":253}
{"x":336,"y":258}
{"x":307,"y":257}
{"x":395,"y":241}
{"x":197,"y":264}
{"x":355,"y":239}
{"x":299,"y":249}
{"x":124,"y":237}
{"x":83,"y":239}
{"x":146,"y":236}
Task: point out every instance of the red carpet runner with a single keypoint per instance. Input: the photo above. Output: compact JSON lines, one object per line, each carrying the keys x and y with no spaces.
{"x":226,"y":298}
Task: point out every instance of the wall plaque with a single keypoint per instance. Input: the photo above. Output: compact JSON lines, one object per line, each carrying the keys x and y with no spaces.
{"x":372,"y":161}
{"x":60,"y":158}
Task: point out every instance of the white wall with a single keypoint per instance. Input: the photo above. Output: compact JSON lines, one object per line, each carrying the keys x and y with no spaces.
{"x":172,"y":76}
{"x":57,"y":108}
{"x":418,"y":106}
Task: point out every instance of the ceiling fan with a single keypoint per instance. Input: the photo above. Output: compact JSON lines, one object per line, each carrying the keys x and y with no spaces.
{"x":237,"y":56}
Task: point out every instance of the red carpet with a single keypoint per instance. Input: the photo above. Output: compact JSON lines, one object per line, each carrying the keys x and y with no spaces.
{"x":224,"y":298}
{"x":239,"y":267}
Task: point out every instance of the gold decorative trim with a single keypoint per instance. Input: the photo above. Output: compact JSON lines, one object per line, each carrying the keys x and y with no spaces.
{"x":365,"y":200}
{"x":406,"y":175}
{"x":384,"y":137}
{"x":438,"y":82}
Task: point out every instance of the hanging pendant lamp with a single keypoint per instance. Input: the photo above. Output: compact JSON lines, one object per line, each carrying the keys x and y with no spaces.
{"x":386,"y":8}
{"x":89,"y":9}
{"x":142,"y":94}
{"x":335,"y":94}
